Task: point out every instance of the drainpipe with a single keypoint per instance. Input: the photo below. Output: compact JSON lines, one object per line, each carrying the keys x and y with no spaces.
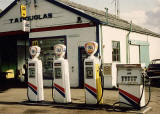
{"x":101,"y":40}
{"x":127,"y":45}
{"x":106,"y":15}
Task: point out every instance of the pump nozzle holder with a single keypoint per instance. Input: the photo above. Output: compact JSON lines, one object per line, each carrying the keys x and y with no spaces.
{"x":60,"y":50}
{"x":91,"y":48}
{"x":35,"y":51}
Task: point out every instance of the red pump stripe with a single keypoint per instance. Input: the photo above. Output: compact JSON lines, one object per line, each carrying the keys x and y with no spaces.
{"x":91,"y":88}
{"x":33,"y":86}
{"x":59,"y":87}
{"x":132,"y":97}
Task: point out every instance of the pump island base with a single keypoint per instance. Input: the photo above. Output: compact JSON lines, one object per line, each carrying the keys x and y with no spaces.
{"x":12,"y":101}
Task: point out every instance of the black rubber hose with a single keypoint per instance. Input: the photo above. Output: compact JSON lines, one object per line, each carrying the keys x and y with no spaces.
{"x":149,"y":92}
{"x":27,"y":85}
{"x":142,"y":89}
{"x":27,"y":93}
{"x":120,"y":109}
{"x":52,"y":88}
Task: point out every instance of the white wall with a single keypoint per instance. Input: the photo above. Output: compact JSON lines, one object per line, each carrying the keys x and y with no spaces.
{"x":5,"y":24}
{"x":60,"y":15}
{"x":137,"y":36}
{"x":154,"y":47}
{"x":113,"y":34}
{"x":75,"y":38}
{"x":134,"y":54}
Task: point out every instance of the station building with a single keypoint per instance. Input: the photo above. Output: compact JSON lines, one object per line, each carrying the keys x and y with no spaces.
{"x":62,"y":21}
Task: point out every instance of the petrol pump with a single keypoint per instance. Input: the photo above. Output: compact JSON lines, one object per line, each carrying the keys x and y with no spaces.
{"x":35,"y":78}
{"x":92,"y":80}
{"x":131,"y":86}
{"x":61,"y":83}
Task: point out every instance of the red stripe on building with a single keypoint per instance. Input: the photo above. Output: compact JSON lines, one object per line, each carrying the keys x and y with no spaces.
{"x":132,"y":97}
{"x":20,"y":32}
{"x":62,"y":27}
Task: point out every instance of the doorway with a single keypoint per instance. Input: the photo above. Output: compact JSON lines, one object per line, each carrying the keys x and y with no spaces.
{"x":82,"y":55}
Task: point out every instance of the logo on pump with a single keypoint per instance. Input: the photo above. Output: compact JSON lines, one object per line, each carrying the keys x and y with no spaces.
{"x":59,"y":50}
{"x":90,"y":47}
{"x":33,"y":51}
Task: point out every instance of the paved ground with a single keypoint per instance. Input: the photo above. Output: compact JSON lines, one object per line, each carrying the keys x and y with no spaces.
{"x":11,"y":102}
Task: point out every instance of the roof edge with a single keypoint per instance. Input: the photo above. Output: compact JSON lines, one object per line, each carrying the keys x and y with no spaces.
{"x":8,"y":8}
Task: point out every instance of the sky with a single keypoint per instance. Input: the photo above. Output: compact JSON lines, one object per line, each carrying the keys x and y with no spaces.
{"x":145,"y":13}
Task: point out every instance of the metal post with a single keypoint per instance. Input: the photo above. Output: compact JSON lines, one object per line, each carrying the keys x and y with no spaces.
{"x":127,"y":45}
{"x":106,"y":15}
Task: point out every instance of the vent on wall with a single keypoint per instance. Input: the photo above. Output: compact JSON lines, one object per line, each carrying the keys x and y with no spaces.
{"x":107,"y":69}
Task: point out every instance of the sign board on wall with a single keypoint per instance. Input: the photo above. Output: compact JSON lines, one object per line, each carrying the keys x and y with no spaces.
{"x":26,"y":26}
{"x":23,"y":11}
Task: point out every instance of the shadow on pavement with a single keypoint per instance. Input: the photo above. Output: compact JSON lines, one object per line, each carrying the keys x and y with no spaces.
{"x":79,"y":106}
{"x":8,"y":84}
{"x":9,"y":103}
{"x":83,"y":106}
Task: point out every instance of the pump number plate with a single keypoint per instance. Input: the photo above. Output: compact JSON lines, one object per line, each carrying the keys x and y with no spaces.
{"x":89,"y":71}
{"x":57,"y":64}
{"x":89,"y":63}
{"x":58,"y":73}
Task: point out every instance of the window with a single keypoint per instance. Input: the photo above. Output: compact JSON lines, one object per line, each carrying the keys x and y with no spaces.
{"x":47,"y":53}
{"x":115,"y":51}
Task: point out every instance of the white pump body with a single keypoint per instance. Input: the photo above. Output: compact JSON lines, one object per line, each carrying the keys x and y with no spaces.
{"x":35,"y":77}
{"x":93,"y":89}
{"x":130,"y":81}
{"x":61,"y":83}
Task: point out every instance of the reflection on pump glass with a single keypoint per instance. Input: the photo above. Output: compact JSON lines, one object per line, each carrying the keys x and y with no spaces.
{"x":89,"y":72}
{"x":31,"y":72}
{"x":58,"y":73}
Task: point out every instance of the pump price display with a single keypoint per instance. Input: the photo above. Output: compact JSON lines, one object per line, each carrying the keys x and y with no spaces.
{"x":58,"y":73}
{"x":31,"y":72}
{"x":129,"y":76}
{"x":89,"y":71}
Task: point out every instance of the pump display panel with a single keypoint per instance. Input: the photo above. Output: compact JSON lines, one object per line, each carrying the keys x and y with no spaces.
{"x":58,"y":73}
{"x":89,"y":63}
{"x":89,"y":72}
{"x":31,"y":72}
